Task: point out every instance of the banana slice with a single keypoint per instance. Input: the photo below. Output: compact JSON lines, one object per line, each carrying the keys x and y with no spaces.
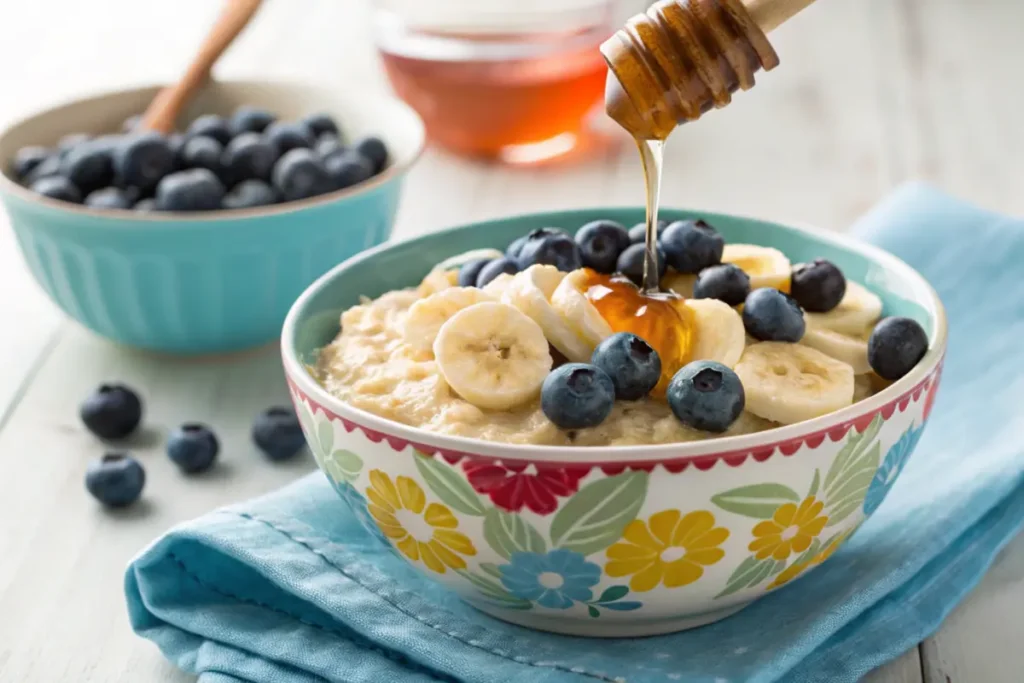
{"x":789,"y":383}
{"x":459,"y":260}
{"x":530,"y":291}
{"x":578,"y":313}
{"x":496,"y":287}
{"x":855,"y":315}
{"x":680,"y":283}
{"x":426,"y":316}
{"x":719,"y":333}
{"x":438,"y":280}
{"x":493,"y":356}
{"x":766,"y":267}
{"x":852,"y":350}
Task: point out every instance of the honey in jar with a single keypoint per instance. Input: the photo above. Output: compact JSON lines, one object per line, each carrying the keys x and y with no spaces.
{"x":659,"y":318}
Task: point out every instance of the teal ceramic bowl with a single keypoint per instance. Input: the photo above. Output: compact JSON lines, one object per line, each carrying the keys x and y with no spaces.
{"x":211,"y":281}
{"x":614,"y":541}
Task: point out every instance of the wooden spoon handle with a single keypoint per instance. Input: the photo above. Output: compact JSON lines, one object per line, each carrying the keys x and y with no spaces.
{"x":770,"y":14}
{"x":164,"y":109}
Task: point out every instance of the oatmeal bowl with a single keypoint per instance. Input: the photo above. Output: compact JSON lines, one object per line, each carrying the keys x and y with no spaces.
{"x":504,"y":406}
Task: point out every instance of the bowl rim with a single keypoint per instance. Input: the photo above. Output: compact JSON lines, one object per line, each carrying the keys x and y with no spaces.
{"x":124,"y":218}
{"x":704,"y":452}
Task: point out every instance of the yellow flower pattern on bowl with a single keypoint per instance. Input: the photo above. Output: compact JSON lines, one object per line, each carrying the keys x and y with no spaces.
{"x":669,"y":549}
{"x":424,"y":533}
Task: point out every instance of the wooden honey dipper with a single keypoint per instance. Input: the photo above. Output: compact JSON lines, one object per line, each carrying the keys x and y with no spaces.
{"x":164,"y":109}
{"x":681,"y":58}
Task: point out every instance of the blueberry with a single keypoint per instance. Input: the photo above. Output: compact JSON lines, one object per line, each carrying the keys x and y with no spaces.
{"x":110,"y":198}
{"x":558,"y":249}
{"x":210,"y":126}
{"x":116,"y":480}
{"x":631,"y":263}
{"x":28,"y":158}
{"x":577,"y":395}
{"x":113,"y":411}
{"x":250,"y":120}
{"x":57,"y":187}
{"x":277,"y":433}
{"x":249,"y":194}
{"x":601,"y":242}
{"x":192,"y":447}
{"x":347,"y":167}
{"x":69,"y":142}
{"x":818,"y":286}
{"x":196,"y":189}
{"x":896,"y":345}
{"x":638,"y":233}
{"x":47,"y":168}
{"x":248,"y":156}
{"x":726,"y":282}
{"x":706,"y":395}
{"x":288,"y":136}
{"x":327,"y":144}
{"x":516,"y":247}
{"x":201,"y":152}
{"x":176,"y":141}
{"x":632,"y":364}
{"x":375,"y":151}
{"x":300,"y":174}
{"x":142,"y":160}
{"x":513,"y":249}
{"x":692,"y":246}
{"x":495,"y":268}
{"x":320,"y":124}
{"x":89,"y":166}
{"x":770,"y":315}
{"x":131,"y":123}
{"x":147,"y":204}
{"x":470,"y":270}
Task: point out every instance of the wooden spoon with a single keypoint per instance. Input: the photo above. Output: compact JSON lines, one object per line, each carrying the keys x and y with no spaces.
{"x":163,"y":111}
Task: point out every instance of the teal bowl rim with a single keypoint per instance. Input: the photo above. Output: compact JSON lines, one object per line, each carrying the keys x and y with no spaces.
{"x":709,"y":449}
{"x":120,"y":218}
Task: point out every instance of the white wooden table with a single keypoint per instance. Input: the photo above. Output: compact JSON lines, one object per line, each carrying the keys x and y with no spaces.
{"x":871,"y":93}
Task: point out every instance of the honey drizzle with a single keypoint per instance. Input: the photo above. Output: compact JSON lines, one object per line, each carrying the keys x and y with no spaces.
{"x":659,"y":318}
{"x":651,"y":154}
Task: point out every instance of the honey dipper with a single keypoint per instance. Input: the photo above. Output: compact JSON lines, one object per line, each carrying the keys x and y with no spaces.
{"x":164,"y":109}
{"x":681,"y":58}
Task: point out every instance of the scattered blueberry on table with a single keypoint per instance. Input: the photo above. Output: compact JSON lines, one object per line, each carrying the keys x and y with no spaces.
{"x":193,"y":447}
{"x":278,"y":434}
{"x":116,"y":479}
{"x":125,"y":171}
{"x":113,"y":411}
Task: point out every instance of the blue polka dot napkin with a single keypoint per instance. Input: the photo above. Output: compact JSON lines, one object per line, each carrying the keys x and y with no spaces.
{"x":289,"y":588}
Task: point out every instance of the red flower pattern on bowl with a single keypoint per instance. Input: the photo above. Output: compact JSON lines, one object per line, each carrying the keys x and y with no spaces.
{"x":511,"y":488}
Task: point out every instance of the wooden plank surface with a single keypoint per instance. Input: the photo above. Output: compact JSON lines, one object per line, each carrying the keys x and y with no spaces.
{"x":870,"y":93}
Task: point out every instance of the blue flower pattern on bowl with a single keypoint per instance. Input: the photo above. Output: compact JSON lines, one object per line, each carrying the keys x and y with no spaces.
{"x":895,"y":459}
{"x":557,"y":579}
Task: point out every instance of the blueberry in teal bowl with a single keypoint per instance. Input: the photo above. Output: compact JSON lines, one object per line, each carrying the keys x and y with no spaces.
{"x":508,"y":440}
{"x":152,"y":242}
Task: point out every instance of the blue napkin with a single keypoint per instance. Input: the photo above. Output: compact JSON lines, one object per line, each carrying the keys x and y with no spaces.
{"x":289,"y":588}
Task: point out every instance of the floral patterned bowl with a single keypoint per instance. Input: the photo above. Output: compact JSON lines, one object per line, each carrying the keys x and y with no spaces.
{"x":613,"y":541}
